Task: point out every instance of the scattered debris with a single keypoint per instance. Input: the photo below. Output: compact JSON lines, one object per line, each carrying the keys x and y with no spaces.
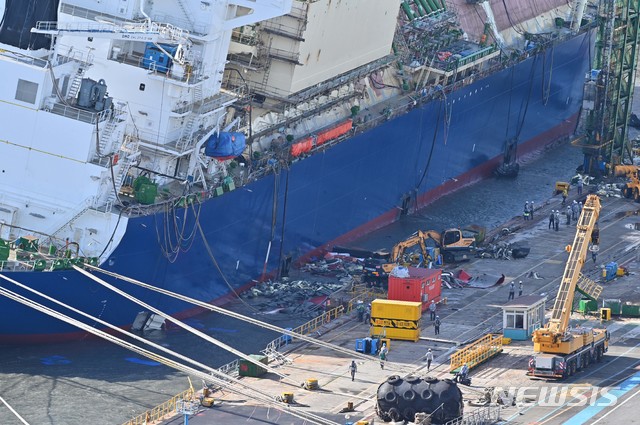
{"x":609,"y":190}
{"x":504,"y":251}
{"x":484,"y":281}
{"x":534,"y":275}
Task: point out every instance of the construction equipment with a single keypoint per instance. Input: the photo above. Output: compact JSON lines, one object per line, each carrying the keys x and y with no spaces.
{"x":632,"y":186}
{"x":561,"y":187}
{"x":559,"y":349}
{"x":452,"y":244}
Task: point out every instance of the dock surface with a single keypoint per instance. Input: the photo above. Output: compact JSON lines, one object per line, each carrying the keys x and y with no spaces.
{"x":468,"y":314}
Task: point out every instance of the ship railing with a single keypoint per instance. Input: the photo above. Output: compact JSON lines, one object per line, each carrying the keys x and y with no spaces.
{"x":68,"y":53}
{"x":209,"y":104}
{"x":155,"y":29}
{"x":79,"y":114}
{"x":29,"y":60}
{"x":247,"y":39}
{"x":194,"y":29}
{"x":163,"y":411}
{"x":283,"y":55}
{"x":313,"y":325}
{"x":194,"y":74}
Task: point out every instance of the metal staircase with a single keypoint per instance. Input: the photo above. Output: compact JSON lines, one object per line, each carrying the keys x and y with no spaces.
{"x":106,"y":138}
{"x":187,"y":130}
{"x":68,"y":223}
{"x":128,"y":155}
{"x":76,"y":83}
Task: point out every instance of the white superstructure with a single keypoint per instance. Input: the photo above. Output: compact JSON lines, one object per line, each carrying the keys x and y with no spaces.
{"x":76,"y":118}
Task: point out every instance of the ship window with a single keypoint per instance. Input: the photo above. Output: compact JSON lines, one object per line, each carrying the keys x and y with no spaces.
{"x":26,"y":91}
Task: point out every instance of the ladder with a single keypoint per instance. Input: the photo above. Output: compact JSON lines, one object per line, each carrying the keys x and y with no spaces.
{"x":187,"y":131}
{"x":76,"y":83}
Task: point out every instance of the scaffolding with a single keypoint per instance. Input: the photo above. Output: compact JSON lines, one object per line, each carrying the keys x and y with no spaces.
{"x":608,"y":91}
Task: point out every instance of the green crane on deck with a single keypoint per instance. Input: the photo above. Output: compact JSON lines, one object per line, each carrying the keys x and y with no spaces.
{"x":608,"y":91}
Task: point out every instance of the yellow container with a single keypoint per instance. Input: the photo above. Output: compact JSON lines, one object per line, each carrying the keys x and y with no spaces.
{"x":397,"y":333}
{"x":392,"y":309}
{"x":561,"y":186}
{"x":605,"y":314}
{"x":386,"y":341}
{"x":506,"y":341}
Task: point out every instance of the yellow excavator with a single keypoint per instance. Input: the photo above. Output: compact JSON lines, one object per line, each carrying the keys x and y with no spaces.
{"x":560,"y":350}
{"x":632,"y":187}
{"x":453,"y":246}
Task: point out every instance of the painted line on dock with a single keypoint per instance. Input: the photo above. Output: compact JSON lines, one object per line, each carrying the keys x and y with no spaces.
{"x":619,"y":405}
{"x":604,"y":402}
{"x":541,"y":420}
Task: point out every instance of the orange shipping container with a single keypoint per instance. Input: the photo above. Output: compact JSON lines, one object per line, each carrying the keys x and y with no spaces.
{"x":422,"y":285}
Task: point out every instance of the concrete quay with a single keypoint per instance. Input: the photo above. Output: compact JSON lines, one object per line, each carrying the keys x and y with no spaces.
{"x":468,"y":314}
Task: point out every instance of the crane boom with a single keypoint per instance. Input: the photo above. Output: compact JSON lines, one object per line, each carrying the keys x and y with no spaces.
{"x":560,"y":350}
{"x":561,"y":312}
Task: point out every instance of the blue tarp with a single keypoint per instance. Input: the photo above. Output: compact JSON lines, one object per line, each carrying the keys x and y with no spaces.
{"x":225,"y":145}
{"x":18,"y":19}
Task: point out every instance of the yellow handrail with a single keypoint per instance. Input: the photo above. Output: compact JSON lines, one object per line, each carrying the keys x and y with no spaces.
{"x":476,"y":353}
{"x":162,"y":411}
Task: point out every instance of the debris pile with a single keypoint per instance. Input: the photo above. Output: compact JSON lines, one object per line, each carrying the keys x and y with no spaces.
{"x":504,"y":251}
{"x":313,"y":290}
{"x":608,"y":190}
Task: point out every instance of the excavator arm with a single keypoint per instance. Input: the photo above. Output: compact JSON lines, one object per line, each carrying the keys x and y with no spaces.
{"x":417,"y":239}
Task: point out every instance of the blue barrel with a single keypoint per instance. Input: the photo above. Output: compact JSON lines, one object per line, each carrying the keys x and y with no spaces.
{"x":374,"y":346}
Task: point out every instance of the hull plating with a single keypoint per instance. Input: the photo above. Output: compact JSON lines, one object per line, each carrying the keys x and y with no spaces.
{"x":331,"y":197}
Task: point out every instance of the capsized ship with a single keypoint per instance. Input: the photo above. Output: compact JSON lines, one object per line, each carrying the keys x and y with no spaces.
{"x":196,"y":146}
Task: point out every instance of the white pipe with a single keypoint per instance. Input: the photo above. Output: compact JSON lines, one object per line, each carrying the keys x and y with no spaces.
{"x":181,"y":324}
{"x":266,"y":398}
{"x":492,"y":23}
{"x":16,"y":414}
{"x":142,"y":2}
{"x":578,"y":12}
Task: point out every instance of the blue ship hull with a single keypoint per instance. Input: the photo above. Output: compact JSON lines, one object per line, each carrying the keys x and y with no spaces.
{"x":331,"y":197}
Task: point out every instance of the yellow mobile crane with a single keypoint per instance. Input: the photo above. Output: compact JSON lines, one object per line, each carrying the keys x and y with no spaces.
{"x":559,"y":350}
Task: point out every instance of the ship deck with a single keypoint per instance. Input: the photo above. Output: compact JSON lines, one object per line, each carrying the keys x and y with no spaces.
{"x":468,"y":314}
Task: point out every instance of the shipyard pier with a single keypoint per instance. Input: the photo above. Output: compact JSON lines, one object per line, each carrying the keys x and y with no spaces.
{"x":102,"y":375}
{"x":164,"y":159}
